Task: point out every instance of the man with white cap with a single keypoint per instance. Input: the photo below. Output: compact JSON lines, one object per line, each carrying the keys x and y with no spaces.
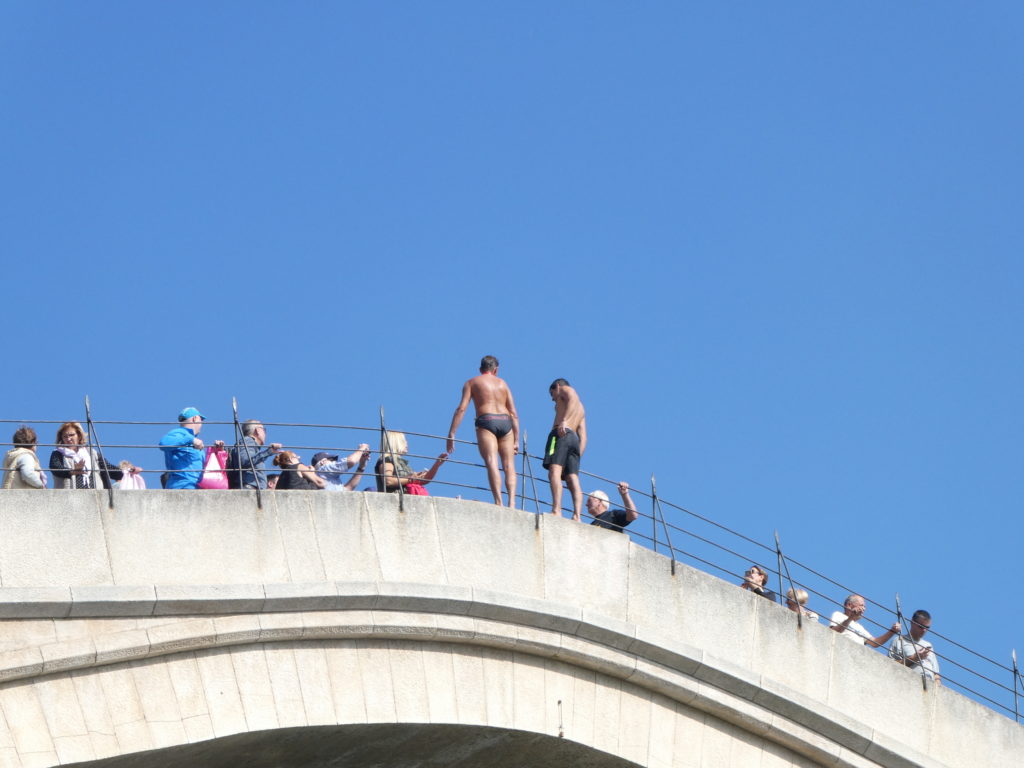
{"x":599,"y":508}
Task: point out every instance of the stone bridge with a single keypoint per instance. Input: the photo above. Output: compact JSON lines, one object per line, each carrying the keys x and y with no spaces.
{"x":189,"y":628}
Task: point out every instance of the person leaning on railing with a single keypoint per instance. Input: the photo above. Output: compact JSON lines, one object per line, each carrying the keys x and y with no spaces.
{"x":183,"y":451}
{"x":296,"y":476}
{"x":756,"y":580}
{"x":75,"y":465}
{"x":393,"y":471}
{"x":21,"y":465}
{"x":246,"y":461}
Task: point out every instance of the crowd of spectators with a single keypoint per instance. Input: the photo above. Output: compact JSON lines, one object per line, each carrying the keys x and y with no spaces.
{"x":75,"y":465}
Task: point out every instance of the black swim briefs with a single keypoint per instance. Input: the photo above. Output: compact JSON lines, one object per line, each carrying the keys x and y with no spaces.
{"x":564,"y":451}
{"x":498,"y":424}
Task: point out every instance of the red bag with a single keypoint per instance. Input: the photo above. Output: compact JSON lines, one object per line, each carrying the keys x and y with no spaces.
{"x":215,"y":476}
{"x":415,"y":489}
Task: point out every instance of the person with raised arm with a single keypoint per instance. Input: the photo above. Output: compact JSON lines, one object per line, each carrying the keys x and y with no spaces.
{"x":846,"y":623}
{"x":599,"y":507}
{"x":497,"y":426}
{"x":565,"y":445}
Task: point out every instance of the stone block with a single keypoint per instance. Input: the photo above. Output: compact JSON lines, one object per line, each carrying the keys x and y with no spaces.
{"x":50,"y":602}
{"x":357,"y":595}
{"x":59,"y":701}
{"x":177,"y":600}
{"x":182,"y":635}
{"x":348,"y":689}
{"x":531,"y":611}
{"x":603,"y":629}
{"x":74,"y":749}
{"x":118,"y":601}
{"x":440,"y":598}
{"x":221,"y":689}
{"x":26,"y":719}
{"x":348,"y":624}
{"x":254,"y":687}
{"x":21,"y":663}
{"x":311,"y":596}
{"x":71,"y":654}
{"x":235,"y":630}
{"x":284,"y":683}
{"x":315,"y":684}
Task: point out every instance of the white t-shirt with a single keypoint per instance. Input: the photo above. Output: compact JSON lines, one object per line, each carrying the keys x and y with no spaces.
{"x":854,"y":631}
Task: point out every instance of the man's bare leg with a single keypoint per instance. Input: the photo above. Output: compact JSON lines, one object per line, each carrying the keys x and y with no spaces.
{"x":488,"y":445}
{"x":573,"y":481}
{"x":555,"y":478}
{"x":507,"y":450}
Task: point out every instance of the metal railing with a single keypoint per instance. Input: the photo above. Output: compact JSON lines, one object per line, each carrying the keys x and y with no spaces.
{"x":687,"y":537}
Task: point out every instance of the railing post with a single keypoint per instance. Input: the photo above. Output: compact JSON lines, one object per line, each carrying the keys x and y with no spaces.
{"x":782,"y":587}
{"x":654,"y":513}
{"x":240,"y":440}
{"x":385,"y":442}
{"x":1016,"y":674}
{"x":528,"y":471}
{"x":658,"y":513}
{"x":99,"y":452}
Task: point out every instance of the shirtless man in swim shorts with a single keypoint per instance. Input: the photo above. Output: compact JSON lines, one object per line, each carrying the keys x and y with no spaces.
{"x":497,"y":426}
{"x":564,"y":446}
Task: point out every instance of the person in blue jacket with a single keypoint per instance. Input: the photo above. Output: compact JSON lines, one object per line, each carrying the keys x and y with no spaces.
{"x":183,"y":450}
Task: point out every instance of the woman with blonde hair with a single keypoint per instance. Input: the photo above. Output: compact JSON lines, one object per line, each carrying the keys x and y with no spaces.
{"x":75,"y":465}
{"x":393,"y":471}
{"x":796,"y":600}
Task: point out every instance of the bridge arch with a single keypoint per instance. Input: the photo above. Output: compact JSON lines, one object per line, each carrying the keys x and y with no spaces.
{"x":185,"y":619}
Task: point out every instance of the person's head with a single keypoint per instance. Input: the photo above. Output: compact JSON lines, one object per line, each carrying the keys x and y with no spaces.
{"x":393,"y":442}
{"x":556,"y":387}
{"x":488,"y":364}
{"x":272,"y":481}
{"x":70,"y":433}
{"x":322,"y":456}
{"x":796,"y":599}
{"x":854,"y":605}
{"x":920,"y":623}
{"x":254,"y":429}
{"x":756,"y":576}
{"x":191,"y":417}
{"x":25,"y":437}
{"x":598,"y":503}
{"x":284,"y":458}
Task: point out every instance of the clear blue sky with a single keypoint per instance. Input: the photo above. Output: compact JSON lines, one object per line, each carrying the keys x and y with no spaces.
{"x":776,"y":248}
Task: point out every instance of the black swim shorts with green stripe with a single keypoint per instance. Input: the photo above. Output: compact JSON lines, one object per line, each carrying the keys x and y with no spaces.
{"x":564,"y":451}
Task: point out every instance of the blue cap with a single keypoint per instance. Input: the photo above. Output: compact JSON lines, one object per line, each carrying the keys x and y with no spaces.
{"x":189,"y":412}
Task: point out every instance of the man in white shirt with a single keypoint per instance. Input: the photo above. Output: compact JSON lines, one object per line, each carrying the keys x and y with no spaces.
{"x":914,"y":651}
{"x":846,"y":623}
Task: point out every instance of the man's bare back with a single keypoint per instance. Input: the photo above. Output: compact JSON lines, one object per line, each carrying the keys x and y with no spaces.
{"x":497,"y":425}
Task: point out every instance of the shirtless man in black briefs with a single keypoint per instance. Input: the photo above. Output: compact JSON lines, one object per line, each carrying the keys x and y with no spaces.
{"x":565,"y":445}
{"x":497,"y":426}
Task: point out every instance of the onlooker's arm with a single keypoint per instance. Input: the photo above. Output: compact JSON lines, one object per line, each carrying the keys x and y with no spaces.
{"x":427,"y":476}
{"x":58,"y":467}
{"x":882,"y":639}
{"x":110,"y":473}
{"x":460,"y":411}
{"x":837,"y":626}
{"x":310,"y":475}
{"x":631,"y":510}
